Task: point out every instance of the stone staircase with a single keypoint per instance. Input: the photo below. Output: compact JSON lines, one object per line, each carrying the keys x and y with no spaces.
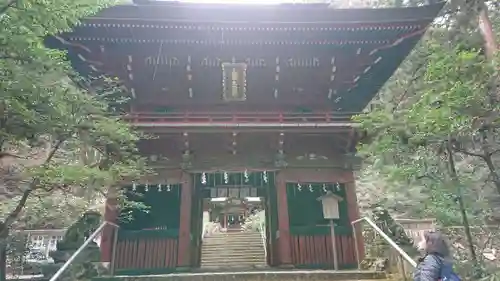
{"x":232,"y":250}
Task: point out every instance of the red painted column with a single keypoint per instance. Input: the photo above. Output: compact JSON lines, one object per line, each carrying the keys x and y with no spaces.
{"x":353,"y":209}
{"x":183,"y":256}
{"x":111,"y":215}
{"x":285,"y":255}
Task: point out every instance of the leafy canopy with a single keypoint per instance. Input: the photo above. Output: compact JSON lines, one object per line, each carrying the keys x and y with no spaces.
{"x":61,"y":137}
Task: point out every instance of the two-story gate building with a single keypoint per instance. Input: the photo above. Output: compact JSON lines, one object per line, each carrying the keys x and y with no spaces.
{"x":246,"y":102}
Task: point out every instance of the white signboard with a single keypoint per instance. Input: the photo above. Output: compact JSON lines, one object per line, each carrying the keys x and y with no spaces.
{"x":330,"y":204}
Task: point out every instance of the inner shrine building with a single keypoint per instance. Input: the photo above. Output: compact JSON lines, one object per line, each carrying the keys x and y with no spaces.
{"x":251,"y":106}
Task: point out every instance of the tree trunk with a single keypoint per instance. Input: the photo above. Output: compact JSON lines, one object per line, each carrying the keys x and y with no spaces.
{"x":3,"y":252}
{"x":490,"y":43}
{"x":493,"y":172}
{"x":486,"y":139}
{"x":465,"y":220}
{"x":3,"y":262}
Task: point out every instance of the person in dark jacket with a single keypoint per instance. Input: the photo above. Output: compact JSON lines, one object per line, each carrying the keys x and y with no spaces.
{"x":436,"y":256}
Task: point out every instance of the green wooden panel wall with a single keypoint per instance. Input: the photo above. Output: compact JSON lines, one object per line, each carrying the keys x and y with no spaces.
{"x":162,"y":208}
{"x":306,"y":212}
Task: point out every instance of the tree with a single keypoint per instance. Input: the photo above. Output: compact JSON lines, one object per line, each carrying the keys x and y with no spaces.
{"x":55,"y":136}
{"x":437,"y":114}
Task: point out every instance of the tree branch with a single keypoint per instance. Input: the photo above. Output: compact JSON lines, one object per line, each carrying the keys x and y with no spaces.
{"x":491,"y":153}
{"x":21,"y":59}
{"x":9,"y":220}
{"x":468,"y":153}
{"x":414,"y":78}
{"x":9,"y":5}
{"x":7,"y":154}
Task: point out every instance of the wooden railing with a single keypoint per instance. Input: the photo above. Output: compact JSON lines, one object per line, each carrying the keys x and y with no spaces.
{"x":238,"y":117}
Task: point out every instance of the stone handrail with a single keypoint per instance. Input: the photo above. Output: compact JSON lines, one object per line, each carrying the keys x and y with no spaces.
{"x":263,"y":237}
{"x":82,"y":247}
{"x":391,"y":242}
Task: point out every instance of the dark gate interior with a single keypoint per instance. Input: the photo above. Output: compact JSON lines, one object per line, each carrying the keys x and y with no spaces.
{"x":262,"y":181}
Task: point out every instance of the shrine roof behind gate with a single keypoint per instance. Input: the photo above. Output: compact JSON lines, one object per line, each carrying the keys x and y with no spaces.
{"x":170,"y":54}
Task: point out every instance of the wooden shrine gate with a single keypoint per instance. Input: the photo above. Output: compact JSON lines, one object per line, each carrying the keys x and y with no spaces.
{"x":153,"y":242}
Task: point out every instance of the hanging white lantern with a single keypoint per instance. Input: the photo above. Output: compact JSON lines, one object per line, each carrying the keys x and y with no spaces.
{"x":299,"y":187}
{"x":159,"y":187}
{"x":134,"y":186}
{"x":337,"y":186}
{"x":226,"y":177}
{"x":147,"y":187}
{"x":311,"y":188}
{"x":264,"y":176}
{"x":168,"y":187}
{"x":203,"y":178}
{"x":324,"y":188}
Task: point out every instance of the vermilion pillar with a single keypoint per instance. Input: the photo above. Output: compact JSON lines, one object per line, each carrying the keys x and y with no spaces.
{"x":183,"y":257}
{"x":283,"y":221}
{"x":353,"y":209}
{"x":110,"y":215}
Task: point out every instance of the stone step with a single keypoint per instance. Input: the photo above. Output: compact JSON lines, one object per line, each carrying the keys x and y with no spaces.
{"x":220,"y":241}
{"x":251,"y":252}
{"x":241,"y":263}
{"x":232,"y":260}
{"x":233,"y":257}
{"x":234,"y":267}
{"x":234,"y":234}
{"x":232,"y":238}
{"x":240,"y":267}
{"x":247,"y":263}
{"x":237,"y":233}
{"x":231,"y":243}
{"x":241,"y":251}
{"x":240,"y":246}
{"x":233,"y":246}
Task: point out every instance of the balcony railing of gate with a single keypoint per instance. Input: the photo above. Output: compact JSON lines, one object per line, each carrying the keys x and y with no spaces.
{"x":238,"y":117}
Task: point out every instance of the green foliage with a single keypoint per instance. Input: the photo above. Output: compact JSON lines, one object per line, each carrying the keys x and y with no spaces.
{"x":433,"y":130}
{"x":79,"y":231}
{"x":43,"y":210}
{"x":44,"y":110}
{"x":449,"y":102}
{"x":64,"y":131}
{"x":255,"y":221}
